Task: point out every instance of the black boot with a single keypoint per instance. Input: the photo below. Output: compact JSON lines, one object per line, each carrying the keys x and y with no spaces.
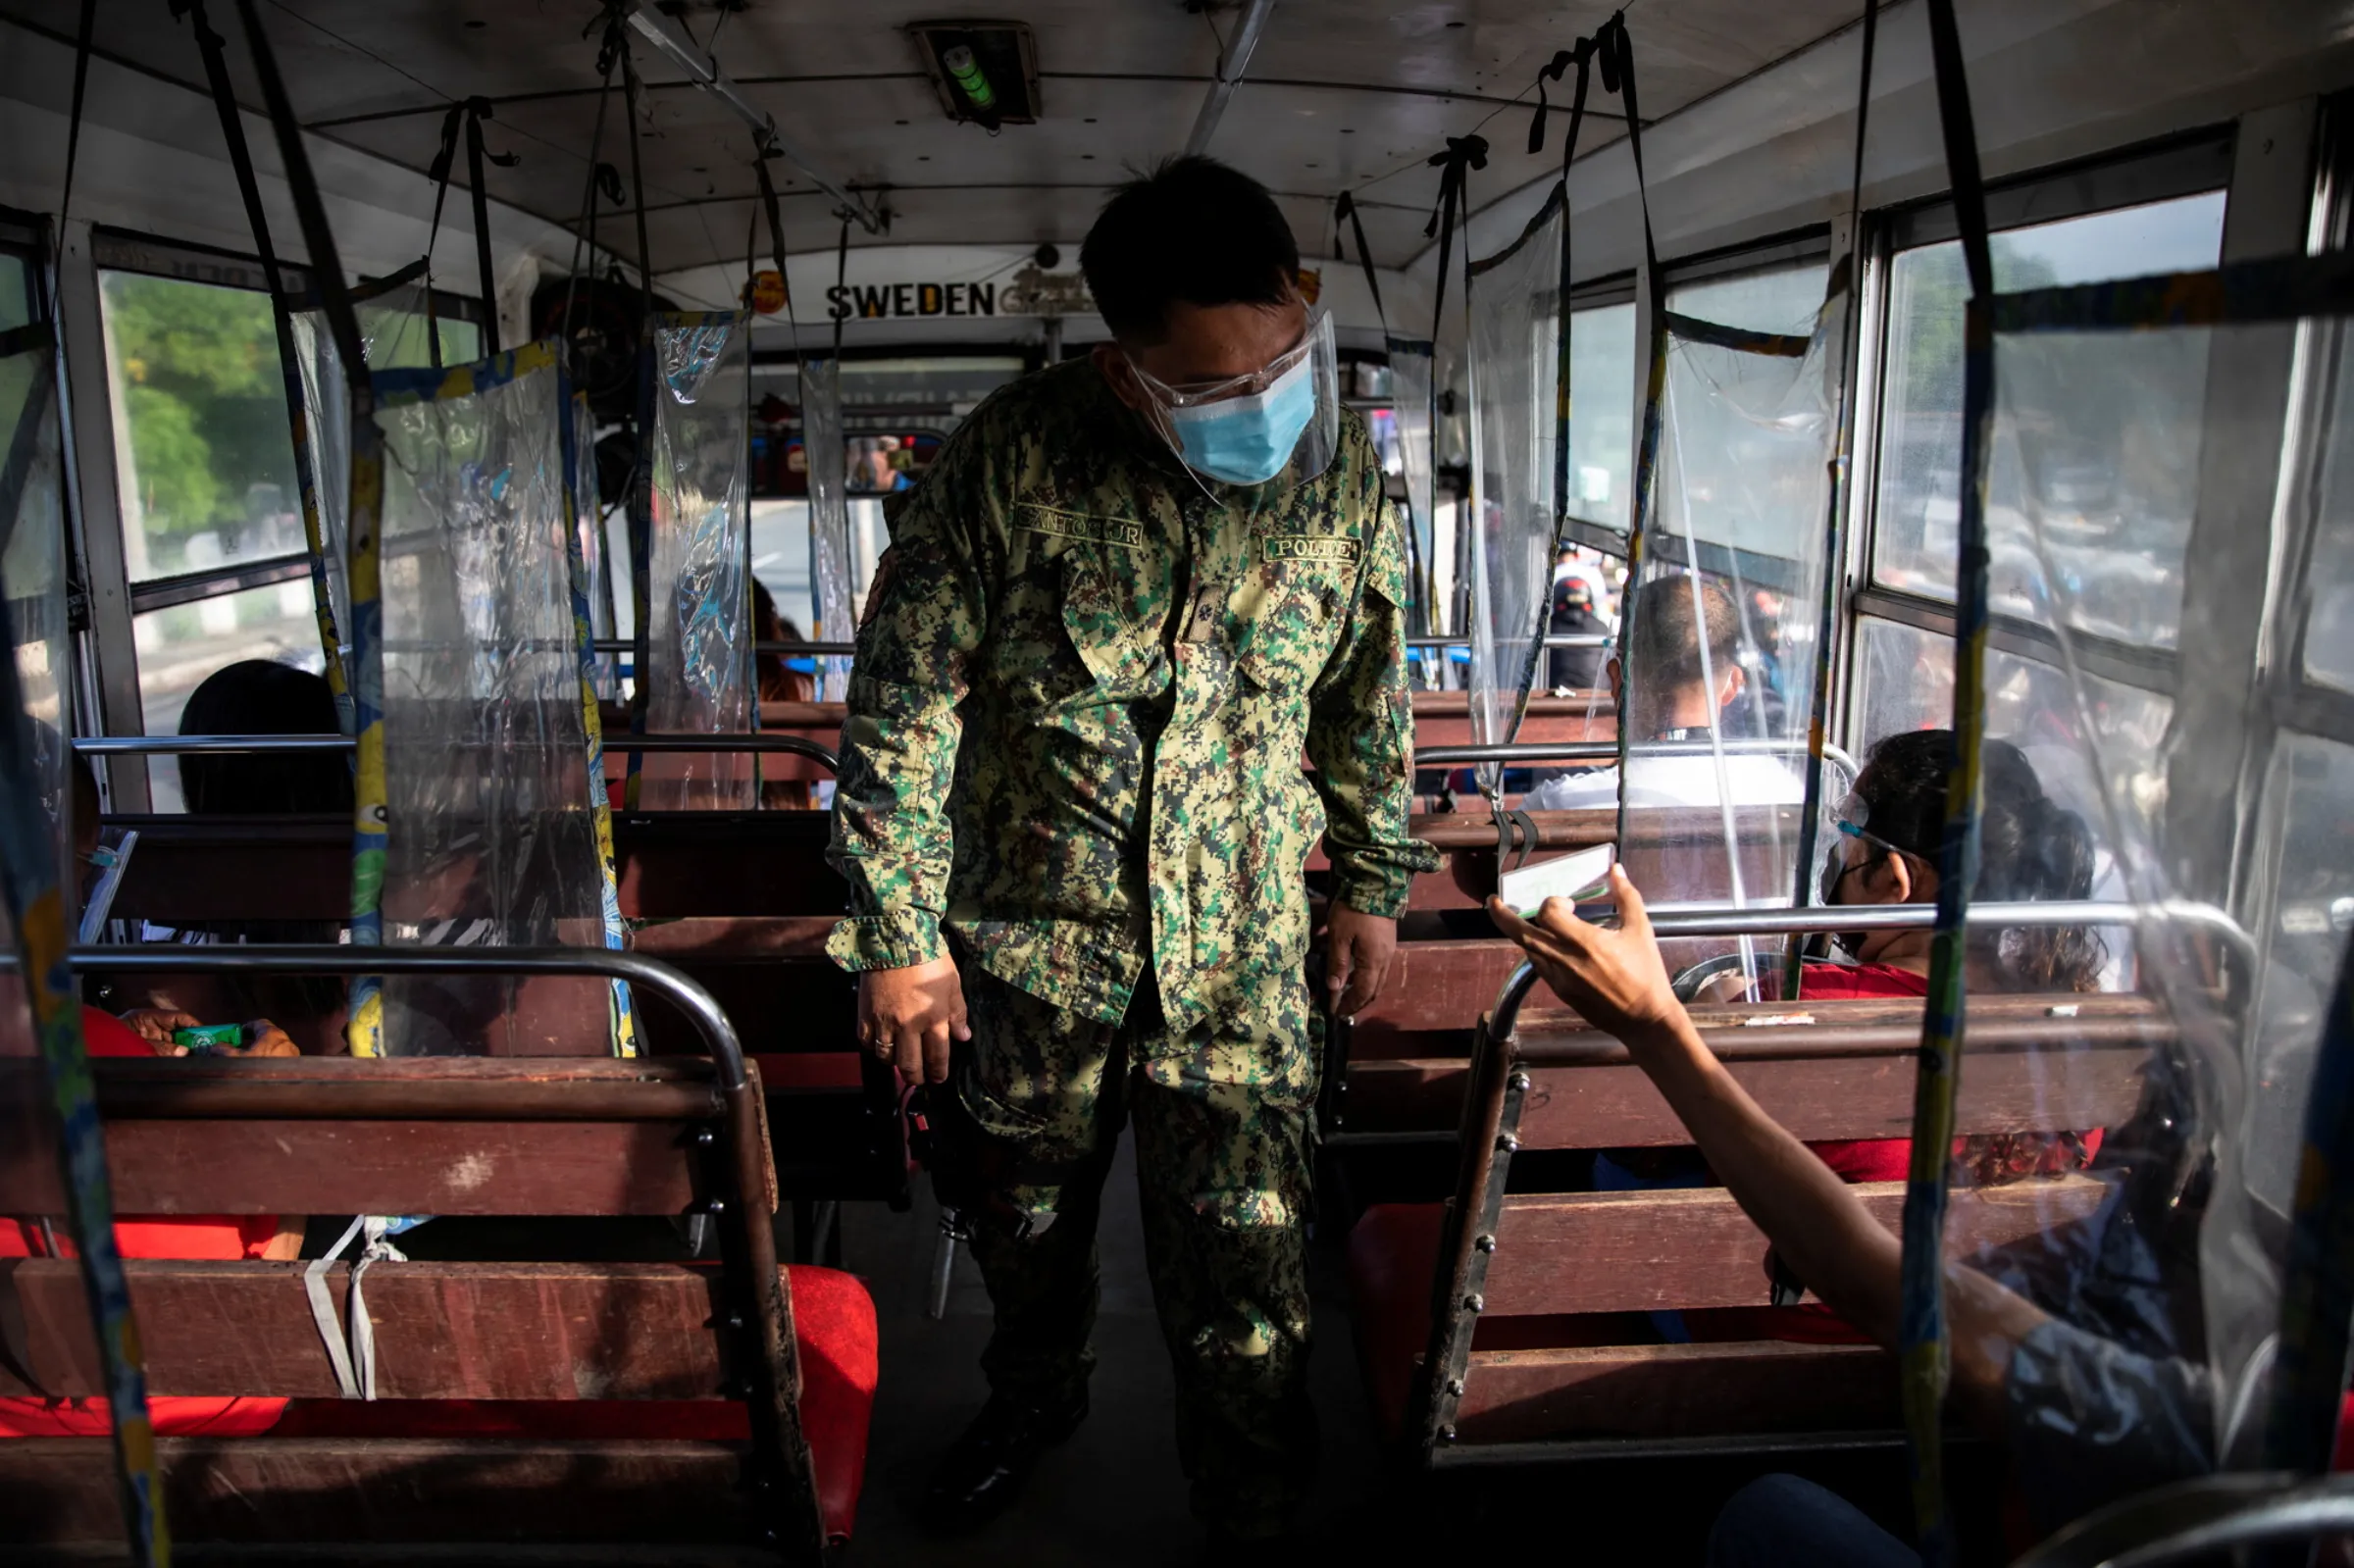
{"x":981,"y":1475}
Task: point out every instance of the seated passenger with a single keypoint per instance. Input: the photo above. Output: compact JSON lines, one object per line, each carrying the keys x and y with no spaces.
{"x":2086,"y":1420}
{"x":256,"y":698}
{"x":1682,"y":692}
{"x":780,"y":682}
{"x":1573,"y":615}
{"x":1888,"y":836}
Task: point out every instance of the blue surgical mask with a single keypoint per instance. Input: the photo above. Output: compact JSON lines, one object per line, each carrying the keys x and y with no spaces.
{"x":1248,"y":441}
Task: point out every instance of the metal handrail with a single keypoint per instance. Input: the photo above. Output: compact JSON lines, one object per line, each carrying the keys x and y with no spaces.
{"x":1553,"y":640}
{"x":239,"y":745}
{"x":1607,"y":752}
{"x":701,"y":1009}
{"x":830,"y":650}
{"x":1504,"y":1017}
{"x":2202,"y":1518}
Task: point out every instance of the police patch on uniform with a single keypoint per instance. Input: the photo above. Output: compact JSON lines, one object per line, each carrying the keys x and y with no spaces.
{"x":1308,"y":547}
{"x":1117,"y":531}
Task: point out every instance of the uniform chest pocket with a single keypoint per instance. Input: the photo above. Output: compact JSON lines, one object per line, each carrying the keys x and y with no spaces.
{"x":1290,"y":623}
{"x":1101,"y":617}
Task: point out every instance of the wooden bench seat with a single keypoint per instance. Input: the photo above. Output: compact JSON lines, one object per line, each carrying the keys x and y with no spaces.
{"x":1544,"y":1349}
{"x":583,"y":1402}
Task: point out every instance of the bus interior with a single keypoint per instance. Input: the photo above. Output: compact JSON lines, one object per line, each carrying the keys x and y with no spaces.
{"x":449,"y":452}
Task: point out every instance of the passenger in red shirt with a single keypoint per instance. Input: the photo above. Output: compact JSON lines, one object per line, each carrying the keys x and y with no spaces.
{"x":193,"y":1236}
{"x":1884,"y":851}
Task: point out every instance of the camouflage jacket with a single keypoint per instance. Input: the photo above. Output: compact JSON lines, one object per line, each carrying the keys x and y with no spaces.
{"x":1082,"y":696}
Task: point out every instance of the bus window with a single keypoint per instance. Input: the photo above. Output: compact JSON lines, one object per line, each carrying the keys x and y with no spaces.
{"x":1602,"y":424}
{"x":2126,"y":544}
{"x":2329,"y":580}
{"x":1780,"y":299}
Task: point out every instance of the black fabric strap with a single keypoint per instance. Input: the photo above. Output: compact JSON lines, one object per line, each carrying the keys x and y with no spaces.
{"x":1616,"y":55}
{"x":478,"y":109}
{"x":842,"y":271}
{"x":602,"y":177}
{"x":82,"y":82}
{"x":1961,"y":147}
{"x":232,"y":131}
{"x":642,"y":475}
{"x":327,"y":268}
{"x":1346,"y":208}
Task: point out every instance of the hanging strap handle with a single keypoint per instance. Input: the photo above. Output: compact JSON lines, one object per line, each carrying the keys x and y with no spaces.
{"x":1614,"y":55}
{"x":478,"y":109}
{"x":1346,"y":208}
{"x":1462,"y":155}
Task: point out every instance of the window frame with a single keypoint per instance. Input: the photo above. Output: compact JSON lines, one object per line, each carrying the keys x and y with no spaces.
{"x":123,"y":250}
{"x":2193,"y":163}
{"x":1602,"y":293}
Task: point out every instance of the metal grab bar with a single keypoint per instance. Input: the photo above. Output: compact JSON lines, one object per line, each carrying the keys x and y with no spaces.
{"x":342,"y":959}
{"x":1504,"y":1017}
{"x":177,"y":745}
{"x":1607,"y":752}
{"x":830,"y":650}
{"x":2202,"y":1518}
{"x":701,"y":1009}
{"x":1553,"y":640}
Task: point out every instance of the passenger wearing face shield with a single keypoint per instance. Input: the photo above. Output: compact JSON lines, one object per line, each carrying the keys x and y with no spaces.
{"x":1884,"y":850}
{"x":1129,"y":595}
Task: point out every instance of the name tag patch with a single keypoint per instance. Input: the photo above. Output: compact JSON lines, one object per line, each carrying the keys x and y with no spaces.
{"x":1117,"y":531}
{"x":1307,"y":547}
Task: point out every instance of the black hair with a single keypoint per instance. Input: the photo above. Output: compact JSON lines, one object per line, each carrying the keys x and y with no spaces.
{"x":256,"y":698}
{"x":2030,"y":847}
{"x":1194,"y":230}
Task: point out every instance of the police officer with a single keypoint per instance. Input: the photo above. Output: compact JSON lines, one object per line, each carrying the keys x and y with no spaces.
{"x":1130,"y":596}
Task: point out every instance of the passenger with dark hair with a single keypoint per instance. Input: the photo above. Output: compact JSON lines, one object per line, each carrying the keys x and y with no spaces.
{"x":257,"y":697}
{"x":1131,"y":593}
{"x":2087,"y":1419}
{"x":1573,"y":615}
{"x":780,"y":682}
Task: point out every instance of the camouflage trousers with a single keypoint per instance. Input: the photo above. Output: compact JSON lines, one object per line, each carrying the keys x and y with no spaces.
{"x":1223,"y":1122}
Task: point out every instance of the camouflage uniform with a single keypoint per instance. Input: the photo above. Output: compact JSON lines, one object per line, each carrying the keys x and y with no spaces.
{"x":1082,"y":696}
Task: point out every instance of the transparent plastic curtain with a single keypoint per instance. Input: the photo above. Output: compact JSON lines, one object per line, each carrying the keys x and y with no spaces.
{"x":1513,"y":299}
{"x":32,"y":574}
{"x":491,"y":841}
{"x":1719,"y":629}
{"x":700,"y":640}
{"x":41,"y":1006}
{"x":580,"y":537}
{"x":393,"y":334}
{"x":829,"y":563}
{"x":589,"y":534}
{"x":2123,"y":422}
{"x":1410,"y":392}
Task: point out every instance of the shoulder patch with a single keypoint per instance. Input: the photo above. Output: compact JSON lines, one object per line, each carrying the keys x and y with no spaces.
{"x":1032,"y":518}
{"x":1308,"y":547}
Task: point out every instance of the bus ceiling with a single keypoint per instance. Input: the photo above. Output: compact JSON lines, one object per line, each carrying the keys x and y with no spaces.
{"x":952,"y":158}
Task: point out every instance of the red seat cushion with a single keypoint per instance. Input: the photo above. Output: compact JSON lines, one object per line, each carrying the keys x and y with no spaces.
{"x":1392,"y":1254}
{"x":833,"y":1327}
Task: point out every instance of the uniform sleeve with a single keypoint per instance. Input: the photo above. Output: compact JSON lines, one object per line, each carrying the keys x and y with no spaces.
{"x":1361,"y":731}
{"x":925,"y":616}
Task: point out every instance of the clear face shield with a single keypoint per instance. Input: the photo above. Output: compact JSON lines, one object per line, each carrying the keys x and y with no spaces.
{"x":1849,"y":849}
{"x":1281,"y":423}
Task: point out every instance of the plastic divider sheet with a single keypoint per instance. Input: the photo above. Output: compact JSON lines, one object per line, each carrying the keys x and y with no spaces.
{"x":589,"y":535}
{"x":2119,"y":423}
{"x":830,"y":566}
{"x":492,"y":837}
{"x":1719,"y":629}
{"x":700,"y":673}
{"x":1411,"y":392}
{"x":1517,"y":417}
{"x":41,"y":1006}
{"x":580,"y":540}
{"x":392,"y":332}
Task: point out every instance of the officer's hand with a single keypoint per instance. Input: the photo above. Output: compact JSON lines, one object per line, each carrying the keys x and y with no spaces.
{"x":1357,"y":949}
{"x":905,"y":1016}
